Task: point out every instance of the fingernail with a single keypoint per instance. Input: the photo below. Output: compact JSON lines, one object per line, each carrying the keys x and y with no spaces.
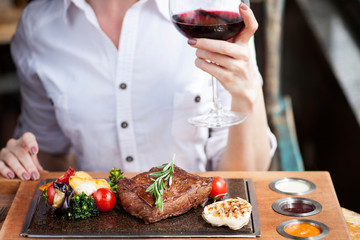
{"x":243,"y":6}
{"x":10,"y":175}
{"x":192,"y":41}
{"x":25,"y":176}
{"x":33,"y":150}
{"x":34,"y":176}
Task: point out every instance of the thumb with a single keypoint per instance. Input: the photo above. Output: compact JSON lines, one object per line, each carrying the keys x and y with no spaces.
{"x":251,"y":25}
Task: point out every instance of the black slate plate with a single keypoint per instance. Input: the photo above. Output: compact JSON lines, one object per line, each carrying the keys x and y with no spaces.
{"x":119,"y":224}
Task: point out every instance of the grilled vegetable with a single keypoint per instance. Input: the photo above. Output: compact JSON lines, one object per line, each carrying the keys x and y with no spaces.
{"x":82,"y":174}
{"x":234,"y":213}
{"x":65,"y":178}
{"x":81,"y":207}
{"x":48,"y":194}
{"x":114,"y":175}
{"x":87,"y":187}
{"x":59,"y":199}
{"x":75,"y":181}
{"x":64,"y":193}
{"x":45,"y":186}
{"x":51,"y":194}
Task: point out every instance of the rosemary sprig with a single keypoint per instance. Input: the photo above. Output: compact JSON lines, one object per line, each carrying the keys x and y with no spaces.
{"x":158,"y":187}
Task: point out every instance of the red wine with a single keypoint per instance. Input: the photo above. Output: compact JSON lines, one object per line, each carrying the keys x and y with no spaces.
{"x":220,"y":25}
{"x":298,"y":207}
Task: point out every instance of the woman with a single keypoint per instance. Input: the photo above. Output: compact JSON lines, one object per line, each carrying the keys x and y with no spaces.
{"x":114,"y":82}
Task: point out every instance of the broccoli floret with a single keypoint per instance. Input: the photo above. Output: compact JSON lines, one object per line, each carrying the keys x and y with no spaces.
{"x":81,"y":207}
{"x":114,"y":175}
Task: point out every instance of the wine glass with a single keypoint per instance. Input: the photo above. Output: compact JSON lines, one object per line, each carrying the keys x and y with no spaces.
{"x":214,"y":19}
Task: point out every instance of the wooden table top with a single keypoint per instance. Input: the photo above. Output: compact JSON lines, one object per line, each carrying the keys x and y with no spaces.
{"x":19,"y":195}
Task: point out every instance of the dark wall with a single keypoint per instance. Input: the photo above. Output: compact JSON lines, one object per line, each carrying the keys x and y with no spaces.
{"x":328,"y":133}
{"x":9,"y":101}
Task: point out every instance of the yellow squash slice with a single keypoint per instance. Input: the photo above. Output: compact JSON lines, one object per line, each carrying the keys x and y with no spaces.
{"x":75,"y":181}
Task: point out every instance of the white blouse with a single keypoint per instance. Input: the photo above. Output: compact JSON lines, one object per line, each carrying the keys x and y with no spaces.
{"x":125,"y":107}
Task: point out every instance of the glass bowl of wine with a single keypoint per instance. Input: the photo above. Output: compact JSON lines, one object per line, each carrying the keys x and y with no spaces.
{"x":213,"y":19}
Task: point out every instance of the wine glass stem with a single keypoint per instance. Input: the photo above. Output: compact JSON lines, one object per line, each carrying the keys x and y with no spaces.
{"x":216,"y":101}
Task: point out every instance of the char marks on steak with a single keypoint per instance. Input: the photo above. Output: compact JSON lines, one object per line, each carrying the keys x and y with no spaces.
{"x":187,"y":191}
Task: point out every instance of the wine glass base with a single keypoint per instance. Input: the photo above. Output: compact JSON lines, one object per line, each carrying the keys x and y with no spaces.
{"x":218,"y":119}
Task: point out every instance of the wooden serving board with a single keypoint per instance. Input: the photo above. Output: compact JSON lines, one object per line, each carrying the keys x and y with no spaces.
{"x":325,"y":194}
{"x":120,"y":224}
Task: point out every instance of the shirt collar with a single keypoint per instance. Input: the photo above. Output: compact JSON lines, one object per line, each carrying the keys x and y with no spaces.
{"x":85,"y":7}
{"x":162,"y":5}
{"x":79,"y":3}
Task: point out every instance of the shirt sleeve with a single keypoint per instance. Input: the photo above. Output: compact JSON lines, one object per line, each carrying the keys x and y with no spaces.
{"x":37,"y":113}
{"x":217,"y":142}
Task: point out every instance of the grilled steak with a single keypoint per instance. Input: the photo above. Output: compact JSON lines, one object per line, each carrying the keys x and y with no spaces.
{"x":187,"y":191}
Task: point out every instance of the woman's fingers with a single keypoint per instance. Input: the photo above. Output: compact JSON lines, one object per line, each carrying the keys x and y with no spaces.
{"x":14,"y":164}
{"x":27,"y":154}
{"x":220,"y":73}
{"x":251,"y":25}
{"x":5,"y":171}
{"x":26,"y":160}
{"x":222,"y":60}
{"x":222,"y":47}
{"x":19,"y":157}
{"x":28,"y":141}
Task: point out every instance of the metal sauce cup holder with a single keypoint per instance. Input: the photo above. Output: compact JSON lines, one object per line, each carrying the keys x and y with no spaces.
{"x":324,"y":230}
{"x":297,"y":207}
{"x":292,"y":186}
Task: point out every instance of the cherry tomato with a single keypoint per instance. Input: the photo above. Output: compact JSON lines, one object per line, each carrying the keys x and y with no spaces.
{"x":219,"y":187}
{"x":51,"y":194}
{"x":105,"y":199}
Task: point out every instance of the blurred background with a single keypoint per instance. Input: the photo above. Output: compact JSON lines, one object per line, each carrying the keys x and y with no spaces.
{"x":309,"y":55}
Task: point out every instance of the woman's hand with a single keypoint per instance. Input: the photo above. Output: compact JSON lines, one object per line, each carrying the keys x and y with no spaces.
{"x":20,"y":157}
{"x":230,"y":62}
